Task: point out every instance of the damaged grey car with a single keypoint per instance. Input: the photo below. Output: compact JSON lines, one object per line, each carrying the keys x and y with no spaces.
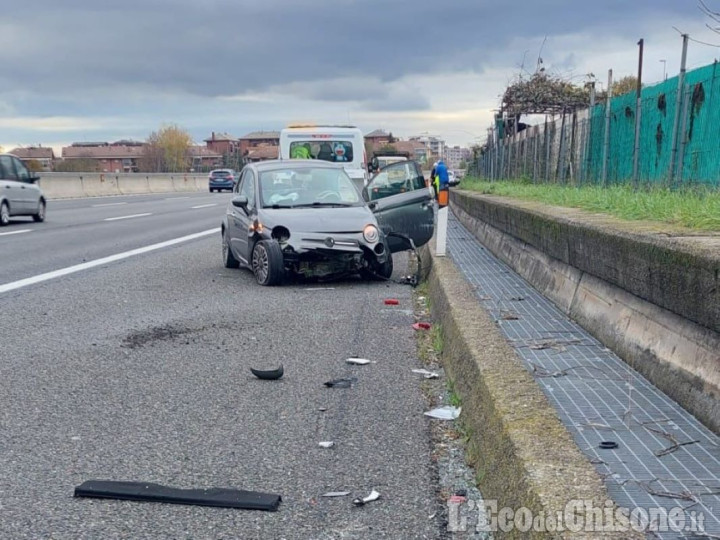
{"x":301,"y":218}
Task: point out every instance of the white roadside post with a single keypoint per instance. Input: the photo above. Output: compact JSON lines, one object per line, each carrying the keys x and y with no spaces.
{"x":442,"y":222}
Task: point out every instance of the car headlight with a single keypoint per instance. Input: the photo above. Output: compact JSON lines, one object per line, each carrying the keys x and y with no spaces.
{"x":371,"y":234}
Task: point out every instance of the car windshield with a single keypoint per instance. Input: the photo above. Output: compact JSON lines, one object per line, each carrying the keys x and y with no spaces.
{"x":307,"y":186}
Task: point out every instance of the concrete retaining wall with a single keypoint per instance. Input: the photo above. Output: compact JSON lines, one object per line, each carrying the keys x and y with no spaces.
{"x":522,"y":454}
{"x":601,"y":275}
{"x":73,"y":185}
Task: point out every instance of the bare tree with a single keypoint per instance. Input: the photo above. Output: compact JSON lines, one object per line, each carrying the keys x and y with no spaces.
{"x":713,"y":15}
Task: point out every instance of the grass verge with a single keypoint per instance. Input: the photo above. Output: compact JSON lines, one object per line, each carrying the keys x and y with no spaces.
{"x":697,"y":208}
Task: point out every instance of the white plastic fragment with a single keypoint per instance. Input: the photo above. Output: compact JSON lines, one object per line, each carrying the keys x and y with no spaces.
{"x":427,"y":374}
{"x":359,"y":361}
{"x":336,"y":494}
{"x":326,"y":444}
{"x":374,"y":496}
{"x":448,"y":412}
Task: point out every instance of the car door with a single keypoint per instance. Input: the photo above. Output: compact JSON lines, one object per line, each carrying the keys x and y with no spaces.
{"x":240,"y":219}
{"x":29,"y":193}
{"x":402,"y":204}
{"x":10,"y":185}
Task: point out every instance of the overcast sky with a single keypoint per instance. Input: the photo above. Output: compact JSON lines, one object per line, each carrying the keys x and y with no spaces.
{"x":79,"y":70}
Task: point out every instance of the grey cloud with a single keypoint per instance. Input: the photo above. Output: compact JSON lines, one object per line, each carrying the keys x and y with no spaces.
{"x":223,"y":47}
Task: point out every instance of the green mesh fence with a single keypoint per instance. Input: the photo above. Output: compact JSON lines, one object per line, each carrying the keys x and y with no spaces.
{"x":575,"y":154}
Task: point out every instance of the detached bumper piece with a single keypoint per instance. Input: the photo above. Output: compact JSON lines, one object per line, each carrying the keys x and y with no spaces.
{"x":143,"y":491}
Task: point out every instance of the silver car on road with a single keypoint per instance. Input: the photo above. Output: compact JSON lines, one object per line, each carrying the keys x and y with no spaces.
{"x":19,"y":194}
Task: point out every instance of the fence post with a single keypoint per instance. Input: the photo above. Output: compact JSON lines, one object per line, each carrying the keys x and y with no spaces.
{"x":547,"y":149}
{"x":560,"y":170}
{"x":536,"y":139}
{"x":606,"y":143}
{"x":573,"y":148}
{"x":588,"y":141}
{"x":678,"y":106}
{"x":638,"y":115}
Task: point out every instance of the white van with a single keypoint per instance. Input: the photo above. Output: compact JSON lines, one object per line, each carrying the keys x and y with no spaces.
{"x":337,"y":144}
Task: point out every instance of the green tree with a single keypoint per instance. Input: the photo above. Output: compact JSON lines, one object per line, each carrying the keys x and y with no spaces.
{"x":625,"y":85}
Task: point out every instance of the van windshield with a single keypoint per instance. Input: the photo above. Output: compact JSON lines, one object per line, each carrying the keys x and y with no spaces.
{"x":326,"y":150}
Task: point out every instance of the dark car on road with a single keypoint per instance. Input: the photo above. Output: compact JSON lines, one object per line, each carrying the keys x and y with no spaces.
{"x":221,"y":179}
{"x":19,"y":194}
{"x":307,"y":218}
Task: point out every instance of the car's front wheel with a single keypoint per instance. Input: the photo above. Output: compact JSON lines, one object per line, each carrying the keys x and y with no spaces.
{"x":228,"y":258}
{"x":39,"y":216}
{"x":379,"y":271}
{"x":267,"y":263}
{"x":4,"y":214}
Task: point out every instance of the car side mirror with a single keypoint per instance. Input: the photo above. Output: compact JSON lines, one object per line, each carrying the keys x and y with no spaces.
{"x":365,"y":194}
{"x":34,"y":177}
{"x":240,"y":201}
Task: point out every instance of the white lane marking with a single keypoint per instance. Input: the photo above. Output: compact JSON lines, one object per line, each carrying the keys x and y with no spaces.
{"x":127,"y":217}
{"x":15,"y":232}
{"x":176,"y":198}
{"x":99,"y":262}
{"x":108,"y":204}
{"x":203,"y":206}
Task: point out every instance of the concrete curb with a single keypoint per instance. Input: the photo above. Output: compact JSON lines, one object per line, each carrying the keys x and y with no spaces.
{"x":676,"y":354}
{"x":523,"y":455}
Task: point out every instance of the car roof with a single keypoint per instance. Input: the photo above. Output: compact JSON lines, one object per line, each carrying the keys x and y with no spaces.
{"x":279,"y":164}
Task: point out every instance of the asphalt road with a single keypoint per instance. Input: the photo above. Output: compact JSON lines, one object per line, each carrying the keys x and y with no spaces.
{"x":138,"y":370}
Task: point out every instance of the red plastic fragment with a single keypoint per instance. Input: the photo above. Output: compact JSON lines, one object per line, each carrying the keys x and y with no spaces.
{"x":391,"y":301}
{"x":421,"y":326}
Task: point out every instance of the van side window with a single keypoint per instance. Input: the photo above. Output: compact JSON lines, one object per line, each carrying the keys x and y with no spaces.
{"x":7,"y":168}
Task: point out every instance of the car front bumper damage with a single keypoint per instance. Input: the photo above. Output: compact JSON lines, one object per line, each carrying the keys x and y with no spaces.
{"x":326,"y":254}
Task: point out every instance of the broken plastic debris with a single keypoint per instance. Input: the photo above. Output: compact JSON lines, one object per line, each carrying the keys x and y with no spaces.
{"x":145,"y":491}
{"x":427,"y":374}
{"x":359,"y":361}
{"x":336,"y":494}
{"x":268,"y":375}
{"x":421,"y":326}
{"x":448,"y":412}
{"x":608,"y":445}
{"x":391,"y":301}
{"x":339,"y":383}
{"x":327,"y":444}
{"x":374,"y":496}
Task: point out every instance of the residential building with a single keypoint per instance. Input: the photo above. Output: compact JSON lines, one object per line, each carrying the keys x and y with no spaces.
{"x":455,"y":155}
{"x":203,"y":158}
{"x":222,"y":143}
{"x":378,"y":136}
{"x":118,"y":157}
{"x":435,"y":145}
{"x":258,"y":138}
{"x":415,"y":150}
{"x":262,"y":152}
{"x":43,"y":155}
